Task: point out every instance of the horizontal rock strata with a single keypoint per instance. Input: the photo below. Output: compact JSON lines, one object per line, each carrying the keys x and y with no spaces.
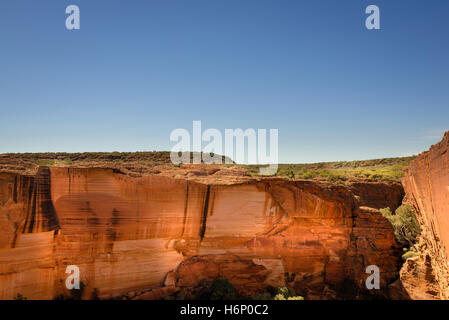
{"x":151,"y":236}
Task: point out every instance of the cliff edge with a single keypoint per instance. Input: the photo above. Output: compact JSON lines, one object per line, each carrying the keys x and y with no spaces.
{"x":152,"y":236}
{"x":426,"y":183}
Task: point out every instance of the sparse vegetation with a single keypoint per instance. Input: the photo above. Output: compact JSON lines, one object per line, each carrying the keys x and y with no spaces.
{"x":286,"y":293}
{"x":409,"y":253}
{"x":222,"y":290}
{"x":50,"y":159}
{"x":388,"y":169}
{"x":45,"y":162}
{"x":282,"y":293}
{"x":406,"y":227}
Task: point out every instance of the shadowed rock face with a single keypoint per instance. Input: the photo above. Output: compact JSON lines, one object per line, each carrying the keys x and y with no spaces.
{"x":378,"y":195}
{"x":150,"y":236}
{"x":426,"y":183}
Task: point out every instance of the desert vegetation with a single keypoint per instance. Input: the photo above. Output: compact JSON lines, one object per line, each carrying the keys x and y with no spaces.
{"x":406,"y":228}
{"x":49,"y":159}
{"x":222,"y":289}
{"x":286,"y":293}
{"x":281,"y":293}
{"x":387,"y":169}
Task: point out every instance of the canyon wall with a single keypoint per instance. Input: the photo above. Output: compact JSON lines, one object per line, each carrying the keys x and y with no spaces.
{"x":426,"y":183}
{"x":151,"y":236}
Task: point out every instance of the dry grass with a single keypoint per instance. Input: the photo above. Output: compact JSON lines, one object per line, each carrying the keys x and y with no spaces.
{"x":387,"y":169}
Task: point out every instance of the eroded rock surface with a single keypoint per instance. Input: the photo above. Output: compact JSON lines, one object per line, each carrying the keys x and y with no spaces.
{"x":151,"y":236}
{"x":426,"y":183}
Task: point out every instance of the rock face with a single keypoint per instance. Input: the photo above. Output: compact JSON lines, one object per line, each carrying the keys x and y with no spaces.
{"x":377,"y":195}
{"x":418,"y":278}
{"x":426,"y":183}
{"x":151,"y":236}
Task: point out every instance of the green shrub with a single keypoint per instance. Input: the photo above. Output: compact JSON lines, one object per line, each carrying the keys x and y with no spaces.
{"x":310,"y":175}
{"x":409,"y":254}
{"x":46,"y":163}
{"x":389,"y":169}
{"x":285,"y":293}
{"x":404,"y":222}
{"x":222,"y":290}
{"x":386,"y":212}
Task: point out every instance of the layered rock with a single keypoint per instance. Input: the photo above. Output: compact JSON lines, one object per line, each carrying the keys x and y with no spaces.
{"x":377,"y":195}
{"x":151,"y":236}
{"x":28,"y":226}
{"x":426,"y":183}
{"x":417,"y":278}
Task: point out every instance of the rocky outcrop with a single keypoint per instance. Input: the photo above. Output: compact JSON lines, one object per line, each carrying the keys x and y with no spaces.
{"x":418,"y":278}
{"x":427,"y":189}
{"x":152,"y":236}
{"x":377,"y":195}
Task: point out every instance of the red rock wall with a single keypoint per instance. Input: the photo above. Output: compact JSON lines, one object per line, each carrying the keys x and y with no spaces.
{"x":378,"y":195}
{"x":28,"y":225}
{"x":426,"y":183}
{"x":150,"y":236}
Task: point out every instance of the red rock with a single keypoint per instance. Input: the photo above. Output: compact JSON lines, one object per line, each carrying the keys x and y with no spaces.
{"x":378,"y":195}
{"x":130,"y":235}
{"x":427,"y":189}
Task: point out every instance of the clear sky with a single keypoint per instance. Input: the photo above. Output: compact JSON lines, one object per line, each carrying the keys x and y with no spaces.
{"x":136,"y":70}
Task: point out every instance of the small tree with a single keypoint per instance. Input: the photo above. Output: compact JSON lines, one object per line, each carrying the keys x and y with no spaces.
{"x":404,"y":222}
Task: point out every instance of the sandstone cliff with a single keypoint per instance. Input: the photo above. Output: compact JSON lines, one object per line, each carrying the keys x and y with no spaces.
{"x":153,"y":235}
{"x":426,"y":183}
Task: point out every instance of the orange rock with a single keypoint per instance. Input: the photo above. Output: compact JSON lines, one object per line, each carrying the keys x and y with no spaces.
{"x":130,"y":236}
{"x":427,"y":189}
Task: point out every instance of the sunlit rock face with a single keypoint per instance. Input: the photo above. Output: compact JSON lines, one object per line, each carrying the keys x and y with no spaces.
{"x":28,"y":224}
{"x":150,"y":236}
{"x":122,"y":231}
{"x":426,"y":183}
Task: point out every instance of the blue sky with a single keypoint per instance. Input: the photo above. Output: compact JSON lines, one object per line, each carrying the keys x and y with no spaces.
{"x":136,"y":70}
